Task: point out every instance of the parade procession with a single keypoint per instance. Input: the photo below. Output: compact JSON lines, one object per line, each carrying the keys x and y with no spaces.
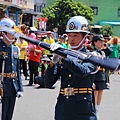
{"x":50,"y":72}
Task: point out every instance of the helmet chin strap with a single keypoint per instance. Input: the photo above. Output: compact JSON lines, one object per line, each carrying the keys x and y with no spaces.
{"x":75,"y":47}
{"x":8,"y":38}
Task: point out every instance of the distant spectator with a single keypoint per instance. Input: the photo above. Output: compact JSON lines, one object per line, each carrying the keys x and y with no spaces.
{"x":115,"y":53}
{"x":55,"y":34}
{"x":39,"y":36}
{"x":66,"y":40}
{"x":50,"y":40}
{"x":107,"y":46}
{"x":30,"y":45}
{"x":34,"y":60}
{"x":44,"y":64}
{"x":88,"y":41}
{"x":107,"y":37}
{"x":24,"y":29}
{"x":115,"y":43}
{"x":61,"y":41}
{"x":65,"y":36}
{"x":23,"y":56}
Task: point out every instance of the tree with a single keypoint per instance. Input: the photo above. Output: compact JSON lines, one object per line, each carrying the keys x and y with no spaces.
{"x":62,"y":11}
{"x":107,"y":29}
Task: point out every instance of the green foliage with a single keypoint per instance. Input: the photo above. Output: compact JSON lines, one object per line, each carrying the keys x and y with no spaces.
{"x":107,"y":29}
{"x":62,"y":11}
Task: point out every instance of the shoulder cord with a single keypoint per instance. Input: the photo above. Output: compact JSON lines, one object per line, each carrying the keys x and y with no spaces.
{"x":3,"y":68}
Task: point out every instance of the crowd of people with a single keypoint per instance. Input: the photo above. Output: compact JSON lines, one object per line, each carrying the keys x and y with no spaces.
{"x":79,"y":80}
{"x":31,"y":56}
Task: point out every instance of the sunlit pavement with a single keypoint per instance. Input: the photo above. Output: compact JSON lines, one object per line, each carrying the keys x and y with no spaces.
{"x":38,"y":104}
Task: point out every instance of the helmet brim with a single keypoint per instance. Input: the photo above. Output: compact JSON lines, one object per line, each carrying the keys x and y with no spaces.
{"x":68,"y":31}
{"x":9,"y":30}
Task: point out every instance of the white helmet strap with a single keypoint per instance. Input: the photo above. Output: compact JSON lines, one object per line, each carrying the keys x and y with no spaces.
{"x":8,"y":38}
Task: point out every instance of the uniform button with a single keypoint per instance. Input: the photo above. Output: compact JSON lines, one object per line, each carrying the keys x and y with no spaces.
{"x":70,"y":75}
{"x":13,"y":80}
{"x":61,"y":66}
{"x":68,"y":85}
{"x":12,"y":71}
{"x":67,"y":97}
{"x":85,"y":98}
{"x":12,"y":64}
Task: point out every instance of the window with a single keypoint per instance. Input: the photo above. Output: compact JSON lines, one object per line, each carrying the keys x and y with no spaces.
{"x":95,"y":9}
{"x":38,"y":8}
{"x":35,"y":8}
{"x":25,"y":2}
{"x":119,"y":11}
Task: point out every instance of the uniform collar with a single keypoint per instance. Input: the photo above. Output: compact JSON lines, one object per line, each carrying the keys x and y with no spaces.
{"x":97,"y":49}
{"x":5,"y":45}
{"x":83,"y":49}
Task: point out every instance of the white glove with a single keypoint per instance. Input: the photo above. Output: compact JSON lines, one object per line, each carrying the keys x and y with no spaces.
{"x":56,"y":58}
{"x":19,"y":94}
{"x":108,"y":85}
{"x":55,"y":46}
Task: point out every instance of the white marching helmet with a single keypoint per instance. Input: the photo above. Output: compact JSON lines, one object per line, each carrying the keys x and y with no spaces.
{"x":7,"y":25}
{"x":77,"y":24}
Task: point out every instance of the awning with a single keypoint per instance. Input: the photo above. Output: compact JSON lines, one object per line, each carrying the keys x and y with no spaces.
{"x":13,"y":6}
{"x":96,"y":26}
{"x":112,"y":23}
{"x":31,"y":12}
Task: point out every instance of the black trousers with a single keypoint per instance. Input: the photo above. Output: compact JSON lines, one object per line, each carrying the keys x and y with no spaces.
{"x":23,"y":65}
{"x":40,"y":81}
{"x":8,"y":104}
{"x":75,"y":108}
{"x":33,"y":68}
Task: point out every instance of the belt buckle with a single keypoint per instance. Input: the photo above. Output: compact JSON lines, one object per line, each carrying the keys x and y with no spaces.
{"x":69,"y":91}
{"x":12,"y":75}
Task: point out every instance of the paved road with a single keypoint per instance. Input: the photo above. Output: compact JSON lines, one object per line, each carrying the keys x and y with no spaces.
{"x":38,"y":104}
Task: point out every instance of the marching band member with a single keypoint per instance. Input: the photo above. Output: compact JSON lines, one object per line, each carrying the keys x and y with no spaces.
{"x":74,"y":101}
{"x":10,"y":70}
